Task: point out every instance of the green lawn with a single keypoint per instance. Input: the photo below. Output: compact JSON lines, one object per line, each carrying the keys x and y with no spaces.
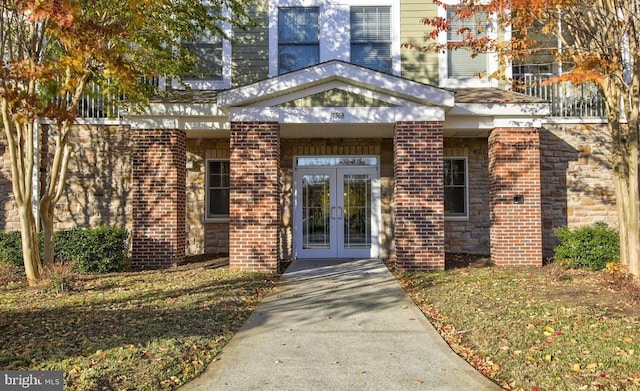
{"x":130,"y":331}
{"x":537,"y":328}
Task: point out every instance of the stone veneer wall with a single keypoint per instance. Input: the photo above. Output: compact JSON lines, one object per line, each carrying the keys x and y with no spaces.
{"x":470,"y":236}
{"x":577,"y":183}
{"x":9,"y":218}
{"x":204,"y":237}
{"x":98,"y":189}
{"x":337,"y":147}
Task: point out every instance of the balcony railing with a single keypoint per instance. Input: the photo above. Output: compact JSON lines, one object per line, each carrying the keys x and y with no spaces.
{"x":566,"y":99}
{"x":94,"y":105}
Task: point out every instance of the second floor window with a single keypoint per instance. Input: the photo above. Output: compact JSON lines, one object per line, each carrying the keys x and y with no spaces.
{"x":371,"y":37}
{"x":209,"y":51}
{"x":460,"y":62}
{"x":298,"y":38}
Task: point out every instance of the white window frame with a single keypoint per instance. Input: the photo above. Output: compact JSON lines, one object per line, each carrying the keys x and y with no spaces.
{"x":335,"y":42}
{"x":207,"y":217}
{"x":466,"y":189}
{"x":443,"y":58}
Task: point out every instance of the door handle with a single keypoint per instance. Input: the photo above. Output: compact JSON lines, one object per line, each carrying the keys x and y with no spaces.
{"x":333,"y":213}
{"x":340,"y":213}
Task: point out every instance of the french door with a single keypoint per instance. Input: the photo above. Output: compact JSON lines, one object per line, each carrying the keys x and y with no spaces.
{"x":336,"y":212}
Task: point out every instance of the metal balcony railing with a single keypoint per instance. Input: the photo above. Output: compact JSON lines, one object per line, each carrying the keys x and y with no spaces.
{"x":95,"y":105}
{"x":566,"y":99}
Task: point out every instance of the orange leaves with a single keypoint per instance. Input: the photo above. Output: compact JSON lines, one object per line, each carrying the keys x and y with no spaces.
{"x":59,"y":11}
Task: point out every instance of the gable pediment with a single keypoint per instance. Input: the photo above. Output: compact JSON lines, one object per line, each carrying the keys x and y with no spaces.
{"x":336,"y":84}
{"x":336,"y":97}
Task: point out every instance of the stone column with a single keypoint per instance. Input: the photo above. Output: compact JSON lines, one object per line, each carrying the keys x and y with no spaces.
{"x":514,"y":193}
{"x":254,"y":196}
{"x":419,"y":195}
{"x":158,"y":189}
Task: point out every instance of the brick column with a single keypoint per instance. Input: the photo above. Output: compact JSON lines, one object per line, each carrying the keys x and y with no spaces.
{"x":159,"y":180}
{"x":514,"y":192}
{"x":254,"y":196}
{"x":419,"y":195}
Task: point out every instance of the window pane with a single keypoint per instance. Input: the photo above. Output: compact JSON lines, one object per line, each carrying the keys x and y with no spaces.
{"x":372,"y":55}
{"x":371,"y":37}
{"x":294,"y":57}
{"x":454,"y":201}
{"x":370,"y":24}
{"x":210,"y":57}
{"x":218,"y":188}
{"x":298,"y":25}
{"x":454,"y":172}
{"x":218,"y":202}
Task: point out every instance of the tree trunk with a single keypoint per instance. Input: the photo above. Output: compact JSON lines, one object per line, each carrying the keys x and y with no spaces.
{"x":30,"y":246}
{"x":46,"y":218}
{"x":627,"y":199}
{"x":625,"y":177}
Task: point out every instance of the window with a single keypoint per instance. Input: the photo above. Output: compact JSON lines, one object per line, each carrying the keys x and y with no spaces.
{"x":455,"y":187}
{"x":217,"y":189}
{"x":371,"y":37}
{"x":298,"y":38}
{"x":460,"y":62}
{"x":209,"y":51}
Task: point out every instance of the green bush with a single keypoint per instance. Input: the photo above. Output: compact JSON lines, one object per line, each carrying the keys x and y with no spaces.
{"x":588,"y":247}
{"x":11,"y":248}
{"x":92,"y":250}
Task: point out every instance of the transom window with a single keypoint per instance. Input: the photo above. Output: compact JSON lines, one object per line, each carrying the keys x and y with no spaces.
{"x":298,"y":38}
{"x":371,"y":37}
{"x":217,"y":189}
{"x":455,"y":187}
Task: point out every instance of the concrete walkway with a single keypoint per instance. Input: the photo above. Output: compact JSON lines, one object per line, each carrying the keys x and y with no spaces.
{"x":338,"y":325}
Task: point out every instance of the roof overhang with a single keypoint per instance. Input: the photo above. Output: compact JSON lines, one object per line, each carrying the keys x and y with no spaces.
{"x":389,"y":99}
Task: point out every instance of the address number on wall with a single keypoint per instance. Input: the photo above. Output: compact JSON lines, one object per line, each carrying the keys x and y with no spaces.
{"x":336,"y":115}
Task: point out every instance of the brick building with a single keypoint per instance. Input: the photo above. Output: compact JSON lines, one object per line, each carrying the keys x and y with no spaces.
{"x":317,"y":135}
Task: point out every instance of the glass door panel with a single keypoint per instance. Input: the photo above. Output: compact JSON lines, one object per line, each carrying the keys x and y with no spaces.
{"x":357,"y":211}
{"x":316,"y":207}
{"x":355,"y":207}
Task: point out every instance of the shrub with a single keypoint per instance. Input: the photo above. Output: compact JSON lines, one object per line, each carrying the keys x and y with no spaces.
{"x":94,"y":250}
{"x":588,"y":247}
{"x":91,"y":250}
{"x":11,"y":248}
